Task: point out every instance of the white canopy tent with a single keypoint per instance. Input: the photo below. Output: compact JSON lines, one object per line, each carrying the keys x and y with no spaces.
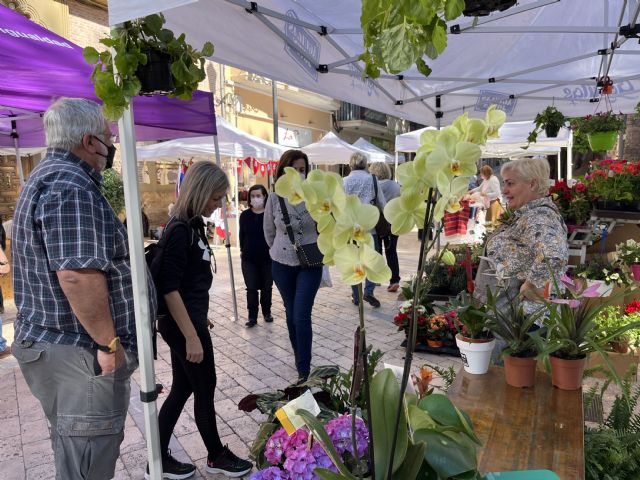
{"x":538,"y":53}
{"x":331,"y":150}
{"x":233,"y":142}
{"x":376,"y":154}
{"x":510,"y":144}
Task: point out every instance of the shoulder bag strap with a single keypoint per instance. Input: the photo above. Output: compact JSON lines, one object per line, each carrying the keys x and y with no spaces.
{"x":375,"y":190}
{"x":287,"y":221}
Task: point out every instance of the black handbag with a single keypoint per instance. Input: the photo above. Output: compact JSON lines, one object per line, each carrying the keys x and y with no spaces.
{"x":309,"y":254}
{"x":383,"y":228}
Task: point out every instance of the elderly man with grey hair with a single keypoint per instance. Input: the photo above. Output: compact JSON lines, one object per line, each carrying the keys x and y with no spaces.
{"x":361,"y":183}
{"x":75,"y":336}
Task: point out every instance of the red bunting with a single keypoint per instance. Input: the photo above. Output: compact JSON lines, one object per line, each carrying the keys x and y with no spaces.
{"x":254,"y":165}
{"x":263,"y":169}
{"x":239,"y":166}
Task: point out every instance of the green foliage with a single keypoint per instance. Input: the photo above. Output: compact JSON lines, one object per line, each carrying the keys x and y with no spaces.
{"x":129,"y":42}
{"x":471,"y":316}
{"x":612,"y":318}
{"x":549,"y":117}
{"x":397,"y":35}
{"x":600,"y":122}
{"x":113,"y":190}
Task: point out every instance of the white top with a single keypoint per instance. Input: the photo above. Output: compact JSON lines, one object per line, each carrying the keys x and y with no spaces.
{"x":489,"y":188}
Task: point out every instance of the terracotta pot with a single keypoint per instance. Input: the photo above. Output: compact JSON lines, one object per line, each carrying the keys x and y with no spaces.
{"x":435,"y":343}
{"x":520,"y":371}
{"x":567,"y":374}
{"x":620,"y":346}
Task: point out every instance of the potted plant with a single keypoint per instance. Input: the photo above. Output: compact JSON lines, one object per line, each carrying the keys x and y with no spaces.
{"x":629,"y":254}
{"x":605,"y":275}
{"x":601,"y":129}
{"x":573,"y":202}
{"x":551,"y":120}
{"x":146,"y":59}
{"x":614,"y":184}
{"x":405,"y":313}
{"x":572,"y":333}
{"x":474,"y":339}
{"x":506,"y":319}
{"x":437,"y":328}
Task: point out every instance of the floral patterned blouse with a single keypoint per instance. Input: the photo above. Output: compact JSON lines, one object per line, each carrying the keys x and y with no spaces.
{"x":531,"y":245}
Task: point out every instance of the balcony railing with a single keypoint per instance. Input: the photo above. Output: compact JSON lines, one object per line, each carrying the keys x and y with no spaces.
{"x":349,"y":111}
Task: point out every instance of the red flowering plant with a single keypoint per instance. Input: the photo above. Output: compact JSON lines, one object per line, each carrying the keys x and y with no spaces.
{"x":615,"y":180}
{"x":401,"y":320}
{"x":572,"y":199}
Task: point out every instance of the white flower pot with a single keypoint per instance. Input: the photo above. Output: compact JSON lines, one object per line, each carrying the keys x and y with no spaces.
{"x":604,"y":289}
{"x":475,"y":354}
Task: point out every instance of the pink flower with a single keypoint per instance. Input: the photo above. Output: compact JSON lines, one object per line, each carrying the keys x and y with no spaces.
{"x":580,"y":187}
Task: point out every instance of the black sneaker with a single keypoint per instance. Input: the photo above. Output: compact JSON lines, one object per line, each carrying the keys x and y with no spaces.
{"x":371,"y":300}
{"x":251,"y":323}
{"x":268,"y":318}
{"x":174,"y":469}
{"x":228,"y":464}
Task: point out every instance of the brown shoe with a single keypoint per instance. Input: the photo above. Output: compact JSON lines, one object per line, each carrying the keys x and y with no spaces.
{"x":6,"y":352}
{"x":393,"y":287}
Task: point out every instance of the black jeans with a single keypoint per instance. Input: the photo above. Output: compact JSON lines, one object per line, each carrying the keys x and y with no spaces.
{"x":257,"y":276}
{"x":188,"y":378}
{"x":390,"y":243}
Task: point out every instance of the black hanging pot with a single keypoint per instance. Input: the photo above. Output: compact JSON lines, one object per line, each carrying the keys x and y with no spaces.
{"x":551,"y":131}
{"x":481,"y":8}
{"x":155,"y":77}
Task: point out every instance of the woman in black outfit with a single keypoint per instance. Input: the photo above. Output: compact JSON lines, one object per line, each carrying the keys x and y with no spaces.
{"x":256,"y":262}
{"x":183,"y":283}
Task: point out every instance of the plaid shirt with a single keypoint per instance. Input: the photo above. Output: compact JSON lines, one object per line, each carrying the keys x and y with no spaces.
{"x":62,"y":221}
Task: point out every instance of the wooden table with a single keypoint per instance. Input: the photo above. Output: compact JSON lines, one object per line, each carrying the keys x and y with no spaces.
{"x":523,"y":428}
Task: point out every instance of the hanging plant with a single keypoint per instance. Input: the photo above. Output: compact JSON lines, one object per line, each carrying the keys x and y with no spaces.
{"x":149,"y":59}
{"x":398,"y":34}
{"x":601,"y":129}
{"x":551,"y":120}
{"x":481,"y":8}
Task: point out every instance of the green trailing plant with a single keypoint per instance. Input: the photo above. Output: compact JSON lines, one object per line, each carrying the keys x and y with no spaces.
{"x":113,"y":190}
{"x":599,"y":122}
{"x":396,"y":35}
{"x":115,"y":75}
{"x":551,"y":120}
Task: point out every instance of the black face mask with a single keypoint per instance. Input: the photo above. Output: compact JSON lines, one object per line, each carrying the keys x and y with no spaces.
{"x":111,"y":152}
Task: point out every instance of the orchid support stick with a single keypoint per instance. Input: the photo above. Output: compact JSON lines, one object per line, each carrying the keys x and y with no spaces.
{"x":365,"y":364}
{"x":411,"y":337}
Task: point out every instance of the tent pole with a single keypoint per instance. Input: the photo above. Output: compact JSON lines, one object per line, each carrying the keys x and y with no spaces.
{"x":570,"y":155}
{"x":237,"y":205}
{"x":227,"y":242}
{"x":16,"y":146}
{"x":276,"y":125}
{"x":140,"y":292}
{"x":396,"y":165}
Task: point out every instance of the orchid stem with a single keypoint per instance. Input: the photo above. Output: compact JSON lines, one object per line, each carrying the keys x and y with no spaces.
{"x":411,"y":337}
{"x":365,"y":366}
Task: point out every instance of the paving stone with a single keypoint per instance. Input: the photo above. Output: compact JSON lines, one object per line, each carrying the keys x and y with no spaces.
{"x":42,"y":472}
{"x":12,"y":469}
{"x":37,"y":453}
{"x":10,"y":427}
{"x":34,"y":431}
{"x":10,"y":448}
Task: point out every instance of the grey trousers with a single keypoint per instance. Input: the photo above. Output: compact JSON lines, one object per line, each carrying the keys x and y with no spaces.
{"x":86,"y":411}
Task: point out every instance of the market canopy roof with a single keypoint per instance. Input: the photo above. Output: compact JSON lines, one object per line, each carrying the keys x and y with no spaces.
{"x":37,"y":66}
{"x":376,"y":154}
{"x":538,"y":53}
{"x":331,"y":150}
{"x":231,"y":140}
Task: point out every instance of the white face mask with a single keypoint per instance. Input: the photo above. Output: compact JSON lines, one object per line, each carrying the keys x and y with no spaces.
{"x":257,"y":202}
{"x":302,"y":176}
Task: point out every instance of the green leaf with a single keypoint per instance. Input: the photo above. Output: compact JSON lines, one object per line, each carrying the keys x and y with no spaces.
{"x":412,"y":463}
{"x":423,"y":68}
{"x":154,"y":23}
{"x":131,"y":87}
{"x":112,"y":112}
{"x":385,"y":397}
{"x":419,"y":419}
{"x":207,"y":49}
{"x":439,"y":36}
{"x":399,"y":47}
{"x":448,"y":453}
{"x":453,"y":9}
{"x":441,"y":410}
{"x":318,"y":431}
{"x":165,"y":35}
{"x":180,"y":71}
{"x":109,"y":42}
{"x":90,"y":55}
{"x":122,"y":63}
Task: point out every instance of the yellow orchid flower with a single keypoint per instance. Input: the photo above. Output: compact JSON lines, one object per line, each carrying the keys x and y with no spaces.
{"x":451,"y":193}
{"x":461,"y":122}
{"x":324,"y":197}
{"x":325,"y":244}
{"x":453,"y":157}
{"x":289,"y":185}
{"x":404,"y":212}
{"x":495,"y":119}
{"x":355,"y":222}
{"x":476,"y":131}
{"x":415,"y":178}
{"x":428,"y":142}
{"x":355,"y":263}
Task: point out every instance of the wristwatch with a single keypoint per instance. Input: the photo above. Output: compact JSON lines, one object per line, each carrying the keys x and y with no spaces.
{"x":112,"y":347}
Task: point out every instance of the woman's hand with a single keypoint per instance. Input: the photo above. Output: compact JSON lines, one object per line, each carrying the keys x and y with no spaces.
{"x":194,"y":349}
{"x":528,"y":291}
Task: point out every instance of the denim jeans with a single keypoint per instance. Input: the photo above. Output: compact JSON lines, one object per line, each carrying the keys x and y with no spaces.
{"x":390,"y":244}
{"x":298,"y":287}
{"x":369,"y":286}
{"x":3,"y":341}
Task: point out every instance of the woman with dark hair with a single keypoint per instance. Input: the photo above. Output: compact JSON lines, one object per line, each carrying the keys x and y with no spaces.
{"x":184,"y":279}
{"x":254,"y":253}
{"x":489,"y":195}
{"x":297,"y":285}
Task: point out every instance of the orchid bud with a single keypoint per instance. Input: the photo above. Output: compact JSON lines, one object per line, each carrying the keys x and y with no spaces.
{"x":448,"y":258}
